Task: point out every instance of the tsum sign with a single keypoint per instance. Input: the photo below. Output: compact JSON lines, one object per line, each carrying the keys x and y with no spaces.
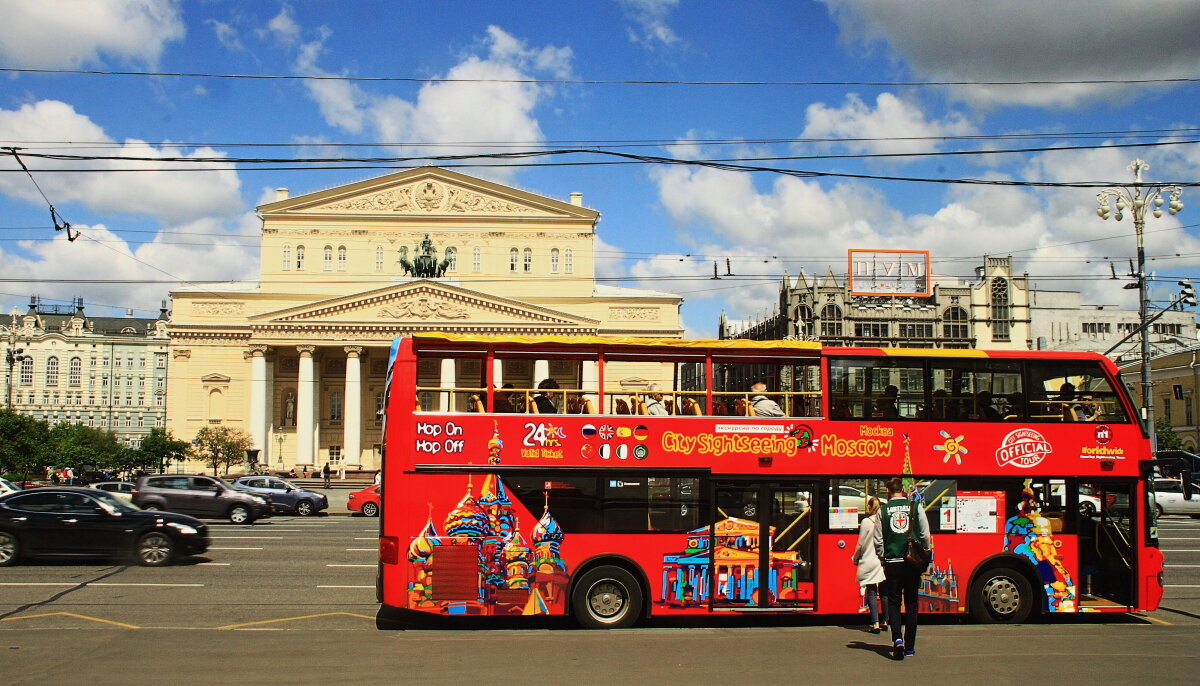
{"x":889,"y":272}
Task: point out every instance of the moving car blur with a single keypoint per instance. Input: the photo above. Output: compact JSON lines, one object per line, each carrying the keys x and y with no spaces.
{"x":67,"y":521}
{"x":1170,"y":499}
{"x":121,"y":489}
{"x":365,"y":501}
{"x":7,"y":486}
{"x":200,"y":495}
{"x":284,"y":496}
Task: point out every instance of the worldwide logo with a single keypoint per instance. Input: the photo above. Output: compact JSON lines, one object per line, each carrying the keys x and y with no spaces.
{"x":1103,"y":434}
{"x":1023,"y":448}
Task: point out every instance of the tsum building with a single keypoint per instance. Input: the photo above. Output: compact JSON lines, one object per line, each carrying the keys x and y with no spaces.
{"x":298,"y":358}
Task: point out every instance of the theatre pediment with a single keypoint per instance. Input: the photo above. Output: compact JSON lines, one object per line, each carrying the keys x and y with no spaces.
{"x":428,"y":192}
{"x":420,"y":302}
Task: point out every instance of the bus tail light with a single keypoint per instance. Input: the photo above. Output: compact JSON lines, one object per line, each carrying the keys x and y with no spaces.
{"x":389,"y":550}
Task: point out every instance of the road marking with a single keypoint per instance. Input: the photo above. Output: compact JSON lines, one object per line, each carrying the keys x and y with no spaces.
{"x":1156,"y":619}
{"x":345,"y":587}
{"x":362,"y":550}
{"x":247,"y":538}
{"x":1173,"y":538}
{"x":1181,"y":565}
{"x":162,"y":585}
{"x":292,"y":619}
{"x":1182,"y":586}
{"x":367,"y":538}
{"x":91,"y":583}
{"x":213,"y":564}
{"x":72,"y":614}
{"x":1181,"y":550}
{"x":332,"y":565}
{"x":235,"y":548}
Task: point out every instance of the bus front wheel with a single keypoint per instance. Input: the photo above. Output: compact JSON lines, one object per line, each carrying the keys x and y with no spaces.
{"x":606,"y":598}
{"x":1002,"y":596}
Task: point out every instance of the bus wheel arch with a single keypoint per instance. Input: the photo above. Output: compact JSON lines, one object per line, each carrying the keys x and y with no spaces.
{"x":1005,"y":590}
{"x":608,"y":592}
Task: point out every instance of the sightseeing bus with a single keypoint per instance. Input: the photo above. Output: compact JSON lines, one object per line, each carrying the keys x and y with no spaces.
{"x":613,"y":479}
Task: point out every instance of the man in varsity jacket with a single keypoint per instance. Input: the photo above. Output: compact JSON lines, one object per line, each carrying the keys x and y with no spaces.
{"x":897,"y":517}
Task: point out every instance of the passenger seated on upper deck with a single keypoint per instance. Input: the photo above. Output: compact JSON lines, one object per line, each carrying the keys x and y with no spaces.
{"x":763,"y":406}
{"x":885,"y":407}
{"x":545,"y":399}
{"x":509,"y":401}
{"x":654,"y":404}
{"x":983,"y":408}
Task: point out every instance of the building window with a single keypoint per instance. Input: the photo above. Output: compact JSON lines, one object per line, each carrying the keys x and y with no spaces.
{"x":116,"y":362}
{"x":1001,"y":325}
{"x":160,"y":361}
{"x":804,"y":322}
{"x":452,"y":256}
{"x":379,"y":258}
{"x":528,"y":260}
{"x":335,"y":406}
{"x":569,"y":261}
{"x":52,"y":371}
{"x":954,"y":323}
{"x":1097,"y":327}
{"x":513,"y":259}
{"x":287,"y":257}
{"x":328,"y":254}
{"x":1167,"y":410}
{"x":831,"y":320}
{"x":335,"y":453}
{"x":379,"y":405}
{"x":871,"y":329}
{"x":299,"y":257}
{"x":341,"y":258}
{"x":75,"y":372}
{"x":916,"y":330}
{"x":1187,"y":411}
{"x":142,"y":361}
{"x":554,"y":261}
{"x":476,"y":260}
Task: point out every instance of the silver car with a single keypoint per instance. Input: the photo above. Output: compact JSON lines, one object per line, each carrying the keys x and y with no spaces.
{"x":284,"y":496}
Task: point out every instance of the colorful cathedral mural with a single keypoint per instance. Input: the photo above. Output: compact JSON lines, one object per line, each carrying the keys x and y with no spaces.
{"x":1031,"y":535}
{"x":482,"y":565}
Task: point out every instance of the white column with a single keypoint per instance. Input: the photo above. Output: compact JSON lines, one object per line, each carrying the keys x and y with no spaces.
{"x":352,"y":414}
{"x":591,"y":376}
{"x":304,"y":406}
{"x":541,"y":370}
{"x":498,"y":373}
{"x":447,"y":379}
{"x":258,"y":400}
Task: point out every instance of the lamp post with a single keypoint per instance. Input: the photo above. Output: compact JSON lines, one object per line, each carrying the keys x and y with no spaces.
{"x":12,"y":355}
{"x":1136,"y":199}
{"x":279,"y":452}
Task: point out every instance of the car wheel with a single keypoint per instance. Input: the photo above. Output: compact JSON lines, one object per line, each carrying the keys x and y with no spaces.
{"x":155,"y":549}
{"x":239,"y":514}
{"x":304,"y":508}
{"x":10,"y":549}
{"x":1002,"y":596}
{"x":606,"y":598}
{"x":1087,"y":509}
{"x":1158,"y":509}
{"x":370,"y":510}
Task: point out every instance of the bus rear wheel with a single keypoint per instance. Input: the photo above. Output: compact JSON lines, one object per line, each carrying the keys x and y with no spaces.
{"x":1002,"y":596}
{"x":606,"y":597}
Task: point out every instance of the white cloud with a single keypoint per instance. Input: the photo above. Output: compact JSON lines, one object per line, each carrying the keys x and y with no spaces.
{"x":76,"y":33}
{"x":890,"y":122}
{"x":450,"y":112}
{"x":284,"y":27}
{"x":1016,"y":40}
{"x":650,"y":17}
{"x":173,"y":196}
{"x":226,"y":34}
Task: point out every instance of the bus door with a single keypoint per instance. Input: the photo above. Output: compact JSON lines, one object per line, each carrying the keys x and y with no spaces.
{"x":761,"y":546}
{"x":1107,"y":543}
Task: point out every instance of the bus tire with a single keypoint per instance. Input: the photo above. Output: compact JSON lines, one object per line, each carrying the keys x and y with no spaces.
{"x":1002,"y":596}
{"x":606,"y":597}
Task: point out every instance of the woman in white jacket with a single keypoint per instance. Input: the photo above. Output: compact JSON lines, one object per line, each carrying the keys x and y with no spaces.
{"x":870,"y":569}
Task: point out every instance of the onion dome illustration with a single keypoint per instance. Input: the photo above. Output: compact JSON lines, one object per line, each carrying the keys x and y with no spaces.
{"x":468,"y":518}
{"x":422,"y":546}
{"x":516,"y":548}
{"x":495,"y":444}
{"x":547,"y":531}
{"x":494,"y":500}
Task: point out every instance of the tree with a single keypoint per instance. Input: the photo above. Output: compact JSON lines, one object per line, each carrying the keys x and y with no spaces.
{"x":24,"y":444}
{"x":1167,"y":438}
{"x":84,"y":447}
{"x":160,"y":448}
{"x":221,"y":446}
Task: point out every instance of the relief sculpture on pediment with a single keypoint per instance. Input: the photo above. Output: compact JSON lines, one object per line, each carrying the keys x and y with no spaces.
{"x":423,"y":308}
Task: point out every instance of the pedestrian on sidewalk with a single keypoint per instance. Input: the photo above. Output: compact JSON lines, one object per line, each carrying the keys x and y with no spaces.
{"x":870,"y":569}
{"x":325,"y":473}
{"x":900,"y":520}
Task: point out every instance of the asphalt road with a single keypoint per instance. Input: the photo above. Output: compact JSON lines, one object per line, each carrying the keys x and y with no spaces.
{"x":291,"y":600}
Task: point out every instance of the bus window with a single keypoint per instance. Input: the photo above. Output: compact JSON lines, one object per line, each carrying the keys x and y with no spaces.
{"x":876,"y":388}
{"x":768,"y":388}
{"x":574,"y":500}
{"x":651,"y":386}
{"x":1072,"y":392}
{"x":638,"y":503}
{"x":986,"y":390}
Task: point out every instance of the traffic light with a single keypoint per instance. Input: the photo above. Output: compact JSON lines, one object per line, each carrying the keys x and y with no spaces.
{"x":1187,"y":294}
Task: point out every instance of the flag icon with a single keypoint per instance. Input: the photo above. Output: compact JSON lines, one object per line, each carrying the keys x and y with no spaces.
{"x":589,"y":430}
{"x":622,"y":452}
{"x":641,"y":432}
{"x":607,"y":432}
{"x":605,"y":451}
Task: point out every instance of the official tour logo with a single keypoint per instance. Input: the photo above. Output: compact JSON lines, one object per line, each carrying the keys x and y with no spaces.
{"x":1023,"y":448}
{"x":1103,"y":434}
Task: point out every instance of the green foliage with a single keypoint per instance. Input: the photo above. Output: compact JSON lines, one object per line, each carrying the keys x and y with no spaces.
{"x":24,"y":443}
{"x":79,"y":446}
{"x":221,"y":446}
{"x":159,"y":449}
{"x":1167,"y":438}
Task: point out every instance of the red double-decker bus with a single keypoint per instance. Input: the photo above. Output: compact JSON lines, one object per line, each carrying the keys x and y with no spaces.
{"x":614,"y":479}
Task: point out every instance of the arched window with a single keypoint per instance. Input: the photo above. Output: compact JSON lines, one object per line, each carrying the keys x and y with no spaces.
{"x":513,"y":258}
{"x":452,"y":255}
{"x":75,"y":373}
{"x":554,"y":260}
{"x":341,"y":258}
{"x":476,"y":260}
{"x":954,"y":323}
{"x":299,"y":257}
{"x":52,"y":371}
{"x":328,"y":253}
{"x":804,"y":322}
{"x":287,"y":257}
{"x":569,"y":261}
{"x":1001,"y":324}
{"x":528,"y":260}
{"x":379,"y":258}
{"x":831,"y":320}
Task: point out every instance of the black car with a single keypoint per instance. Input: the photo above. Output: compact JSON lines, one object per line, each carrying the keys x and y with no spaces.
{"x":62,"y":520}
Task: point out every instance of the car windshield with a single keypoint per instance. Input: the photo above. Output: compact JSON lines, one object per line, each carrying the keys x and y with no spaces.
{"x":288,"y":484}
{"x":114,"y":503}
{"x":9,"y":485}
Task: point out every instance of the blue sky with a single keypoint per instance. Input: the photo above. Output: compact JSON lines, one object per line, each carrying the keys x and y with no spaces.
{"x":158,"y":224}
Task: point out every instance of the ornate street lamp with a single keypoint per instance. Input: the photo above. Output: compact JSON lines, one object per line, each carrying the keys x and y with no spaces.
{"x":1136,"y":199}
{"x":13,"y":356}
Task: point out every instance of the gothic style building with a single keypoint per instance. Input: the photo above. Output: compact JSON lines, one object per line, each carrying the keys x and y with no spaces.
{"x":298,"y":358}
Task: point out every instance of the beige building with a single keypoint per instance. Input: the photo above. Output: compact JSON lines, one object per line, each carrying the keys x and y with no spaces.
{"x":298,"y":358}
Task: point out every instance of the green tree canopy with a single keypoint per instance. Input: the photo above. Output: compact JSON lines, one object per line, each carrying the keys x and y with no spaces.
{"x":221,"y":446}
{"x":160,"y":448}
{"x":1167,"y":438}
{"x":76,"y":445}
{"x":24,"y":443}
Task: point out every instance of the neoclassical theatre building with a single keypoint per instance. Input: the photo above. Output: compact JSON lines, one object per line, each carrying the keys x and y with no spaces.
{"x":298,"y":358}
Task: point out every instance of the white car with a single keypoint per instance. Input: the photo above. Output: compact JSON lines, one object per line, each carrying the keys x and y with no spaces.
{"x":7,"y":486}
{"x":1168,"y":496}
{"x":121,"y":489}
{"x":849,"y":496}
